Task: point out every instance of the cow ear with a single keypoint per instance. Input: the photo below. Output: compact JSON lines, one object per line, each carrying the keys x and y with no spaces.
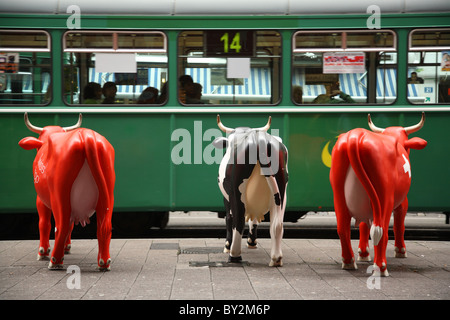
{"x":29,"y":143}
{"x":415,"y":143}
{"x":220,"y":143}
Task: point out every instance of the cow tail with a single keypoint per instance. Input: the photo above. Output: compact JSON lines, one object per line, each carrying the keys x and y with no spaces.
{"x":353,"y":152}
{"x":95,"y":157}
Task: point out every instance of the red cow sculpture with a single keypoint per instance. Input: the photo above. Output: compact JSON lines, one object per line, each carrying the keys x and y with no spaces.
{"x":370,"y":176}
{"x":73,"y":177}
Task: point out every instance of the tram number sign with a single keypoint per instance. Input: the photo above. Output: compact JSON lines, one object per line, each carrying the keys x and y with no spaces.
{"x":229,"y":43}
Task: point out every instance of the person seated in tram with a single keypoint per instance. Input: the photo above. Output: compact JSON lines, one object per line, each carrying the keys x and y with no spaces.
{"x":297,"y":94}
{"x":333,"y":90}
{"x":109,"y":92}
{"x":92,"y":93}
{"x":185,"y":87}
{"x":194,"y":96}
{"x":414,"y":79}
{"x":148,"y":96}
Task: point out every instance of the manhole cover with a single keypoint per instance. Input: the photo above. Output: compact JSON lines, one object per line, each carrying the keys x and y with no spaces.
{"x":204,"y":250}
{"x":218,"y":264}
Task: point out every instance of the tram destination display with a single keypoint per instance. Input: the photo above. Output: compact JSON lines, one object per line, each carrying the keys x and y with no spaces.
{"x":229,"y":43}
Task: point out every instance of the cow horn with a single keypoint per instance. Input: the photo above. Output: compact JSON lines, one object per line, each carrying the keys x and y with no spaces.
{"x":373,"y":127}
{"x":267,"y":126}
{"x":76,"y":126}
{"x":222,"y":127}
{"x":31,"y":127}
{"x":416,"y":127}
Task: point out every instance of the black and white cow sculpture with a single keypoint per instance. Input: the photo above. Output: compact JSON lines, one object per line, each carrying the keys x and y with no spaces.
{"x":253,"y":178}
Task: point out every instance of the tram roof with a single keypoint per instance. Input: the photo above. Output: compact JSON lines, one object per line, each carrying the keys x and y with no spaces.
{"x":228,"y":7}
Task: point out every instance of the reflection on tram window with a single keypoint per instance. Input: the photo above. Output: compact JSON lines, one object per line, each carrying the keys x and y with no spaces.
{"x":115,"y":68}
{"x":429,"y":66}
{"x":344,"y":67}
{"x":230,"y":67}
{"x":25,"y":67}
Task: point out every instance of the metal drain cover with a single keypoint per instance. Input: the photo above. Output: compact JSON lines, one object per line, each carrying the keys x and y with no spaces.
{"x":202,"y":250}
{"x":217,"y":264}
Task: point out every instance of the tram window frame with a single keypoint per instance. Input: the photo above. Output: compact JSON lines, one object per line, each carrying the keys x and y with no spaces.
{"x":138,"y":81}
{"x":41,"y":95}
{"x":431,"y":84}
{"x":322,"y":85}
{"x":245,"y":92}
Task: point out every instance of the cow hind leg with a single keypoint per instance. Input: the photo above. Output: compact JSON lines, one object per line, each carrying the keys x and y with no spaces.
{"x":399,"y":229}
{"x":363,"y":249}
{"x":229,"y":227}
{"x":235,"y":249}
{"x":68,"y":244}
{"x":343,"y":228}
{"x":252,"y":234}
{"x":380,"y":265}
{"x":104,"y":239}
{"x":276,"y":223}
{"x":104,"y":230}
{"x":62,"y":231}
{"x":276,"y":235}
{"x":45,"y":226}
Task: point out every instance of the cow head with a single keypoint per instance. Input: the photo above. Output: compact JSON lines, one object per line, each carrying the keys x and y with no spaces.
{"x":401,"y":134}
{"x":29,"y":143}
{"x":235,"y":134}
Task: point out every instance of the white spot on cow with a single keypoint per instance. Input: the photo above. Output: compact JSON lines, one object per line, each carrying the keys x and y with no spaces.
{"x":376,"y":233}
{"x":406,"y":166}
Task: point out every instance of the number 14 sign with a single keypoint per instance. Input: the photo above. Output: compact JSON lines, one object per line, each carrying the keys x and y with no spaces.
{"x":229,"y":43}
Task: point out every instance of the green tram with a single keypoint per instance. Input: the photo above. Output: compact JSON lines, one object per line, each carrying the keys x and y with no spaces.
{"x":317,"y":71}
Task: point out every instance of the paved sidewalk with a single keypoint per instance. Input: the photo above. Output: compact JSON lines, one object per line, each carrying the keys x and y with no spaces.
{"x":196,"y":269}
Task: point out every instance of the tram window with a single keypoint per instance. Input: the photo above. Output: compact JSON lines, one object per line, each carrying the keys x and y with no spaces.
{"x":115,"y":67}
{"x":25,"y":67}
{"x":210,"y":60}
{"x":344,"y":66}
{"x":428,"y":79}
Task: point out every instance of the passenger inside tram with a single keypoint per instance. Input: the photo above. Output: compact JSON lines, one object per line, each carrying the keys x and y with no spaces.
{"x":109,"y":91}
{"x":148,"y":96}
{"x":333,"y":90}
{"x":92,"y":93}
{"x":194,"y":95}
{"x":297,"y":94}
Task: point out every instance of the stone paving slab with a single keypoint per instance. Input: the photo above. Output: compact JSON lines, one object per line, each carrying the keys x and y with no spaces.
{"x":193,"y":269}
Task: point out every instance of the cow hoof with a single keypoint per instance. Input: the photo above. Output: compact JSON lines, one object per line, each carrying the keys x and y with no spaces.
{"x":363,"y":256}
{"x":400,"y":253}
{"x":364,"y":259}
{"x":251,"y":245}
{"x":379,"y":273}
{"x":42,"y":255}
{"x":349,"y":266}
{"x":102,"y":266}
{"x":227,"y":247}
{"x":55,"y":266}
{"x":67,"y":249}
{"x":234,"y":259}
{"x":276,"y":262}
